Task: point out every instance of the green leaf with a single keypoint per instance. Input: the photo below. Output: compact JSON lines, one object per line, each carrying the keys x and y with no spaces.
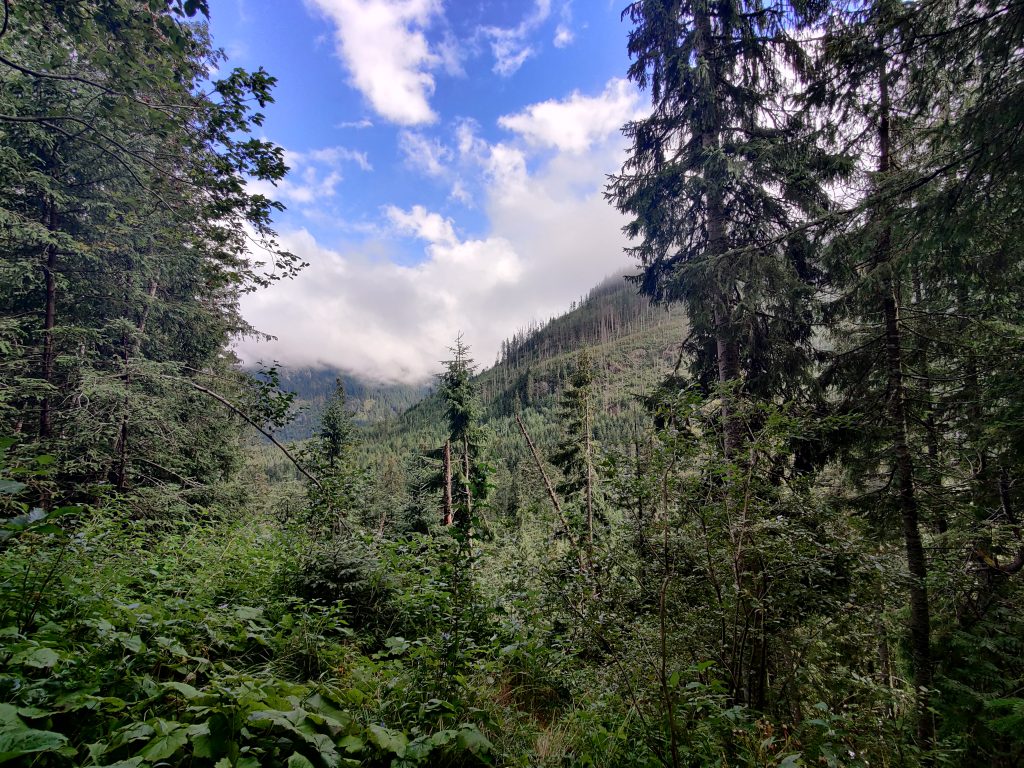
{"x":471,"y":740}
{"x":40,"y":658}
{"x":162,"y":747}
{"x":184,"y":689}
{"x":133,"y":643}
{"x":352,"y":744}
{"x":11,"y":487}
{"x":299,"y":761}
{"x":388,"y":740}
{"x":16,"y":741}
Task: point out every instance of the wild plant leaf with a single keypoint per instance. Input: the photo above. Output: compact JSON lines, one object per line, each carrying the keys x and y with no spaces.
{"x":33,"y":713}
{"x":352,"y":744}
{"x":471,"y":740}
{"x":11,"y":487}
{"x":134,"y":732}
{"x":248,"y":613}
{"x":133,"y":643}
{"x":184,"y":689}
{"x":18,"y":740}
{"x":38,"y":658}
{"x":165,"y":745}
{"x":388,"y":740}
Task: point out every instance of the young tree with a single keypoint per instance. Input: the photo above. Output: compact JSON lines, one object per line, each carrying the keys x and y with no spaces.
{"x":336,"y":429}
{"x":464,"y":447}
{"x":575,"y":453}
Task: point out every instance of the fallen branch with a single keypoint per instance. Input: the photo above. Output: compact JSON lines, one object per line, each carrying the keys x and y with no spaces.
{"x":234,"y":408}
{"x":551,"y":491}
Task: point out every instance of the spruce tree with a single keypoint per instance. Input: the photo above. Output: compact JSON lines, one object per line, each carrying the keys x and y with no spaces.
{"x":464,"y":446}
{"x":575,"y":454}
{"x":718,"y":177}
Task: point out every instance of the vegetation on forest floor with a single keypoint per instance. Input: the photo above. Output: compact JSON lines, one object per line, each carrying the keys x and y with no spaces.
{"x":771,"y":518}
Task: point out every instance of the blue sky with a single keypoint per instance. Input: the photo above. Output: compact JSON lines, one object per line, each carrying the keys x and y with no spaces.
{"x":448,"y":161}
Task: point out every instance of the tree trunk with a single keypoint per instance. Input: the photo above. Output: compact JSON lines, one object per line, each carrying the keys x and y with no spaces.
{"x":467,"y":490}
{"x":920,"y":622}
{"x":726,"y":347}
{"x":590,"y":478}
{"x":448,"y":514}
{"x":49,"y":321}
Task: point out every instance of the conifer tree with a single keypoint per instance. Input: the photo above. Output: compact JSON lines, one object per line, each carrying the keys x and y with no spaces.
{"x":464,"y":447}
{"x":718,"y":177}
{"x":336,"y":430}
{"x":575,"y":455}
{"x":125,"y":225}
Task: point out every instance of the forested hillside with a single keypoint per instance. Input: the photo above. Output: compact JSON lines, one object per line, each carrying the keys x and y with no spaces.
{"x":368,"y":401}
{"x":756,"y":505}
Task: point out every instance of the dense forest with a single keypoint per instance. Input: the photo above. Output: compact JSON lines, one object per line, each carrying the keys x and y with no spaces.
{"x":756,"y":504}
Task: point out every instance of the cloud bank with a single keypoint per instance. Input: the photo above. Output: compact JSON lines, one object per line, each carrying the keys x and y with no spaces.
{"x":550,"y":237}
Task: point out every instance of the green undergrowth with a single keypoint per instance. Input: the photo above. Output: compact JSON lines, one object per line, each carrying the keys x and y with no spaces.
{"x":131,"y":644}
{"x":255,"y":642}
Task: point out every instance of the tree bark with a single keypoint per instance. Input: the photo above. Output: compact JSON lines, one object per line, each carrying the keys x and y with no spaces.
{"x":551,"y":493}
{"x":726,"y":347}
{"x":49,"y":320}
{"x":467,"y":491}
{"x":917,"y":565}
{"x":590,"y":478}
{"x":447,"y":514}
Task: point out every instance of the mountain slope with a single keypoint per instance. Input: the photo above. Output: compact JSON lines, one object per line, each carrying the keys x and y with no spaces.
{"x":633,"y":345}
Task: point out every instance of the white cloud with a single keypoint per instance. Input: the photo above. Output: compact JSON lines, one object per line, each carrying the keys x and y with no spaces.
{"x":576,"y":123}
{"x":460,"y":194}
{"x":332,"y":156}
{"x":510,"y":45}
{"x":550,"y":236}
{"x":383,"y":320}
{"x":359,"y":124}
{"x":425,"y":225}
{"x":385,"y":49}
{"x":313,"y":176}
{"x":564,"y":35}
{"x":424,"y":153}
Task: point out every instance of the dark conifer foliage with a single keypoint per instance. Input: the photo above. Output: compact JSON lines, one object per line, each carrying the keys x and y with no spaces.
{"x":125,"y":227}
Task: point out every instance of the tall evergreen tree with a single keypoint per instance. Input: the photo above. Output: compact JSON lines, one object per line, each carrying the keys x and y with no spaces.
{"x":125,"y":224}
{"x":718,"y":177}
